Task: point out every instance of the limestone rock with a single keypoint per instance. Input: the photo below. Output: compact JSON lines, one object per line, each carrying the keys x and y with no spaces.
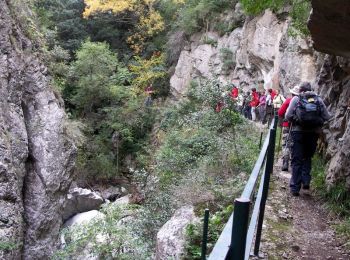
{"x":36,"y":156}
{"x":171,"y":237}
{"x":80,"y":200}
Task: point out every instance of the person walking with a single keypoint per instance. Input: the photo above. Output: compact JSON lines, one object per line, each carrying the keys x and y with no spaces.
{"x":278,"y":100}
{"x":307,"y":114}
{"x":262,"y":107}
{"x":286,"y":129}
{"x":246,"y":106}
{"x":254,"y":103}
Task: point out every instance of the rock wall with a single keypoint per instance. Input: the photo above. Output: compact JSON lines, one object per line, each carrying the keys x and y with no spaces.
{"x":261,"y":50}
{"x":330,"y":31}
{"x":36,"y":157}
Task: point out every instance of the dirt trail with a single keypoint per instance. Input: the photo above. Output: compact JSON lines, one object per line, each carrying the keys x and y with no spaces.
{"x":298,"y":227}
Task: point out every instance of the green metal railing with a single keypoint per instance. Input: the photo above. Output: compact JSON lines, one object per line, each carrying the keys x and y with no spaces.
{"x":236,"y":239}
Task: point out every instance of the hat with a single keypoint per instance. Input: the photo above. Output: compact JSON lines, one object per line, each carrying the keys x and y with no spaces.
{"x":305,"y":86}
{"x":295,"y":90}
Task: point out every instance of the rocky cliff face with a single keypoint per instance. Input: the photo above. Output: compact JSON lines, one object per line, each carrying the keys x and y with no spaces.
{"x":263,"y":50}
{"x":36,"y":157}
{"x":329,"y":26}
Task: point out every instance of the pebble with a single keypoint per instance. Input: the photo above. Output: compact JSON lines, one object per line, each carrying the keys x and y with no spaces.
{"x":295,"y":248}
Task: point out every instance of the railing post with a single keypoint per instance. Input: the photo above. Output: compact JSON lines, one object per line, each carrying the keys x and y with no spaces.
{"x":205,"y":234}
{"x":239,"y":229}
{"x":268,"y":171}
{"x":260,"y":142}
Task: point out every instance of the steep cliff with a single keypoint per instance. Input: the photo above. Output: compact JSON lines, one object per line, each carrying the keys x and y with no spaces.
{"x":261,"y":50}
{"x":329,"y":27}
{"x":36,"y":157}
{"x":264,"y":50}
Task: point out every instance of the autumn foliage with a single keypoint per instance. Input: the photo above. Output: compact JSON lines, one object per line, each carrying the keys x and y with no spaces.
{"x":150,"y":22}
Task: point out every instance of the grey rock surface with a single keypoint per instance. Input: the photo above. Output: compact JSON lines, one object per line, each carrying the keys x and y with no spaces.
{"x":36,"y":156}
{"x":80,"y":200}
{"x":171,"y":237}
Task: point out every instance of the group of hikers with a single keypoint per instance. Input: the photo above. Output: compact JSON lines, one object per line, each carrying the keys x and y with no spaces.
{"x":301,"y":116}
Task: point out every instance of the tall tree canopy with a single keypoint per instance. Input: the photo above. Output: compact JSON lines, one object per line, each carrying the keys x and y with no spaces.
{"x":150,"y":22}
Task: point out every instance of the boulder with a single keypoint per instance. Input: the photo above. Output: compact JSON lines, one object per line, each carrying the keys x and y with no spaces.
{"x":83,"y":218}
{"x":111,"y":193}
{"x":123,"y":200}
{"x":80,"y":200}
{"x":171,"y":237}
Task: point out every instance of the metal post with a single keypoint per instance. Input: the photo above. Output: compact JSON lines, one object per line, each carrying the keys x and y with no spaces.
{"x":268,"y":171}
{"x":260,"y":142}
{"x":239,"y":229}
{"x":205,"y":234}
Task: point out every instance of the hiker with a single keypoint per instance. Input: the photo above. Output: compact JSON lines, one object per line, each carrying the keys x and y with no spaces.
{"x":149,"y":91}
{"x":278,"y":100}
{"x":269,"y":107}
{"x":254,"y":103}
{"x":246,"y":106}
{"x":262,"y":106}
{"x":272,"y":92}
{"x":286,"y":139}
{"x":307,"y":114}
{"x":234,"y":93}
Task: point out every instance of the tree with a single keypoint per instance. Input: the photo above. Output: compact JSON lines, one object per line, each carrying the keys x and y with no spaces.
{"x":146,"y":71}
{"x":149,"y":24}
{"x":92,"y":74}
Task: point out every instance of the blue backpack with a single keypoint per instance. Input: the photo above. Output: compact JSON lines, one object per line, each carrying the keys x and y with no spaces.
{"x":308,"y":113}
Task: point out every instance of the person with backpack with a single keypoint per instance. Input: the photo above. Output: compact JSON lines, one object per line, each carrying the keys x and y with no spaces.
{"x":307,"y":113}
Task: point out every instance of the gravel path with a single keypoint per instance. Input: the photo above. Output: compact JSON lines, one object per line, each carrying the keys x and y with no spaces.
{"x":298,"y":227}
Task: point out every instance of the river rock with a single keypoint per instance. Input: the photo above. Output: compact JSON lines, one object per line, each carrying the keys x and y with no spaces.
{"x":81,"y":200}
{"x":171,"y":237}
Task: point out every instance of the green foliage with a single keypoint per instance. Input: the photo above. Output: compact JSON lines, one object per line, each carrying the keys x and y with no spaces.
{"x":7,"y":246}
{"x":92,"y":75}
{"x":62,"y":22}
{"x":300,"y":10}
{"x":198,"y":14}
{"x":255,"y":7}
{"x":199,"y":155}
{"x":226,"y":56}
{"x":337,"y":196}
{"x":300,"y":14}
{"x":108,"y":237}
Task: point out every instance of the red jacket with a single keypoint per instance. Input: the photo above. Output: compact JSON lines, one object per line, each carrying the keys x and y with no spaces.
{"x":234,"y":93}
{"x":282,"y":111}
{"x":255,"y":99}
{"x":273,"y":94}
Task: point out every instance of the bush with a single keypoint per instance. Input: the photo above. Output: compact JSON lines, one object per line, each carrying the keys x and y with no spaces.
{"x":108,"y":237}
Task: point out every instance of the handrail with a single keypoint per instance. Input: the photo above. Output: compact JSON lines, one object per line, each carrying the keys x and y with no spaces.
{"x":235,"y":241}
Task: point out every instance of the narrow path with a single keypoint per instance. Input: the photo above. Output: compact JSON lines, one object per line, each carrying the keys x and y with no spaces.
{"x":298,"y":227}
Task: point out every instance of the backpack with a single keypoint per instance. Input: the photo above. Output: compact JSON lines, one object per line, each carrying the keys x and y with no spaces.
{"x":308,"y":113}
